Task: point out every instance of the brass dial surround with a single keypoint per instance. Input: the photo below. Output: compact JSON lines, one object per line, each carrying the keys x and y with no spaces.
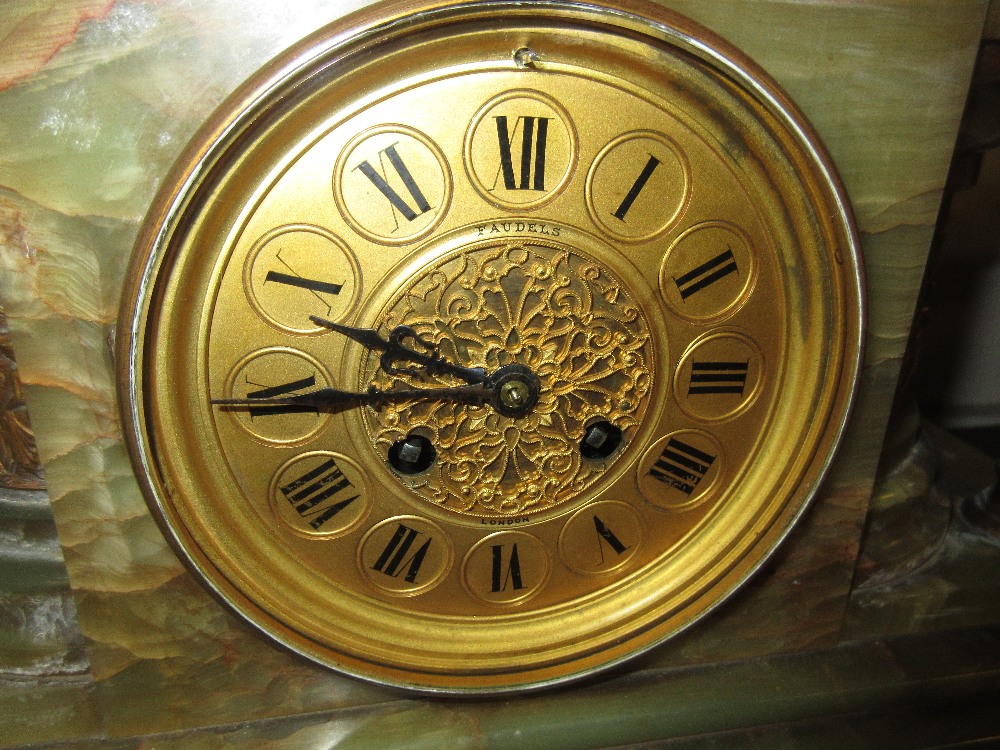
{"x":698,"y":236}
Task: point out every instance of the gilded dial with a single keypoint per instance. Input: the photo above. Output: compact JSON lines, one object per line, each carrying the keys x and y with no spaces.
{"x":479,"y":356}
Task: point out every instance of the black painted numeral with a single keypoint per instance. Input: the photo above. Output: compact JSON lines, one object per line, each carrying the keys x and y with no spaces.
{"x":534,"y":135}
{"x":396,"y":556}
{"x":283,"y":389}
{"x":706,"y":274}
{"x":714,"y":378}
{"x":605,"y":536}
{"x":637,"y":186}
{"x":316,"y":287}
{"x":380,"y":181}
{"x":501,"y":578}
{"x":309,"y":493}
{"x":312,"y":285}
{"x":681,"y":466}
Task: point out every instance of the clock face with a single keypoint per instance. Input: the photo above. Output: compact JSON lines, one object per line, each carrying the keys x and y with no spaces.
{"x":481,"y":347}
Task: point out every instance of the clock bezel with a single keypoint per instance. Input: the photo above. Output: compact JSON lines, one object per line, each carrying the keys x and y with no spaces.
{"x":215,"y":145}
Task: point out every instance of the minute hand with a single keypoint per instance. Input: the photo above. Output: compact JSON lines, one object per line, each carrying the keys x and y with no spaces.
{"x":394,"y":350}
{"x":331,"y":399}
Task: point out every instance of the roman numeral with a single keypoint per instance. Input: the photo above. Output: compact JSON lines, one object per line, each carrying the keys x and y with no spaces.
{"x":394,"y":558}
{"x":681,"y":466}
{"x":534,"y":133}
{"x":380,"y":181}
{"x":293,"y":386}
{"x":512,"y":575}
{"x":706,"y":274}
{"x":293,"y":279}
{"x":308,"y":493}
{"x":637,"y":186}
{"x":710,"y":378}
{"x":312,"y":285}
{"x":605,"y":536}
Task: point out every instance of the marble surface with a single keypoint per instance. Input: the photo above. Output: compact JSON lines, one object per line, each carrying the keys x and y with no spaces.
{"x":96,"y":101}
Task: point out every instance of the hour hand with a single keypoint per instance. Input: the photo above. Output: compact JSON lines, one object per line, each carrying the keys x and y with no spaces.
{"x":394,"y":349}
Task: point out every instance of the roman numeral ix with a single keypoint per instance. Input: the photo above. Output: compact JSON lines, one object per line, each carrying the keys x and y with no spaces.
{"x":283,"y":389}
{"x":312,"y":285}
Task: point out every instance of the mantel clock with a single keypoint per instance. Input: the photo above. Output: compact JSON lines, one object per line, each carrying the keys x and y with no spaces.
{"x":476,"y":347}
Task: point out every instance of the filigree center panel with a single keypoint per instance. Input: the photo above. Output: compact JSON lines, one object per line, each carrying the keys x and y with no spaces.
{"x":544,"y":306}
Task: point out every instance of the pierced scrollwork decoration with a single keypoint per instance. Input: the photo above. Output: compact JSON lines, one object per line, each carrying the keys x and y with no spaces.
{"x":543,"y":306}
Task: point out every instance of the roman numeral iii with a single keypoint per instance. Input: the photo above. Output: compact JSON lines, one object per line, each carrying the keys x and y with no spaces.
{"x":715,"y":378}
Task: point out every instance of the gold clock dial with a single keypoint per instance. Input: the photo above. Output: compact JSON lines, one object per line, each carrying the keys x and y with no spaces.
{"x":478,"y":347}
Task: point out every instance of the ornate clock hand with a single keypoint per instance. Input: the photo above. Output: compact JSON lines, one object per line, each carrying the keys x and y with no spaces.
{"x":395,"y":350}
{"x":512,"y":390}
{"x":331,"y":399}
